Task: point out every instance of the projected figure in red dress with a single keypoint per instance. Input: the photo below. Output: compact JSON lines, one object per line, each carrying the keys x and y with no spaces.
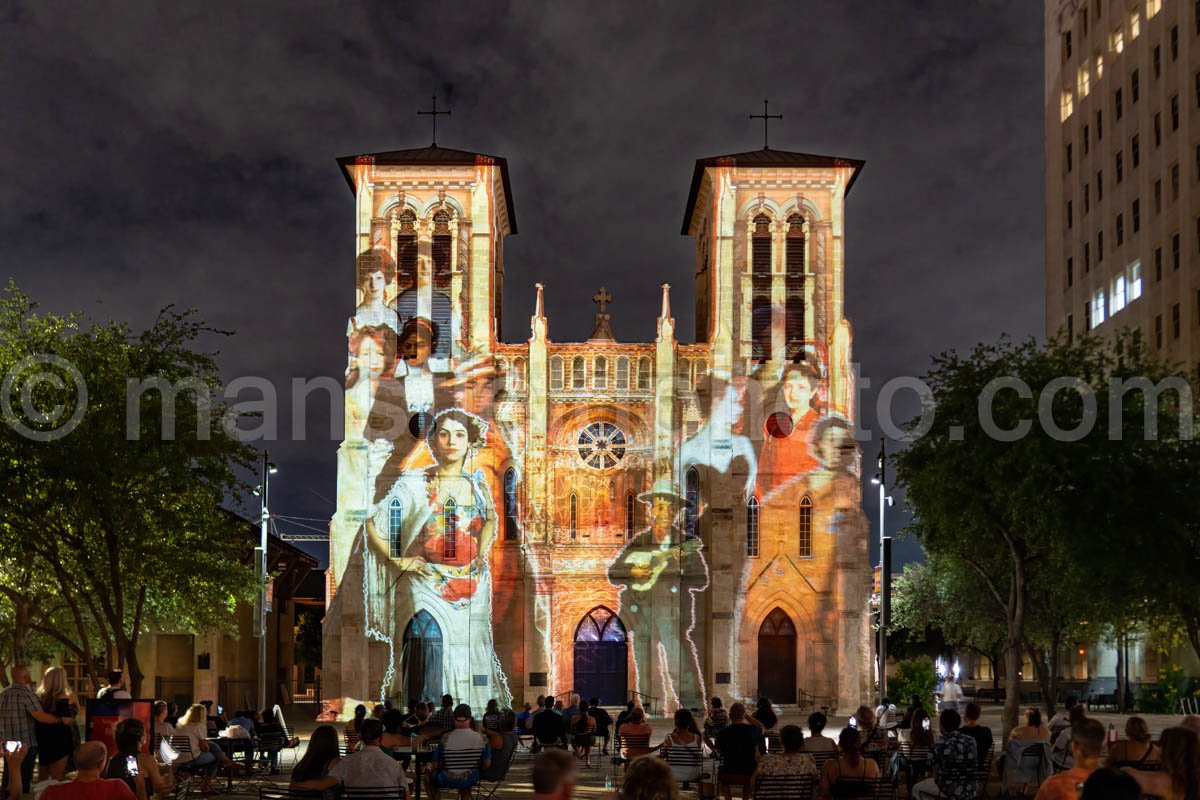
{"x":788,"y":454}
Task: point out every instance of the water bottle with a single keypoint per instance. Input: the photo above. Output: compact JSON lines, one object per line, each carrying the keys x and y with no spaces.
{"x":608,"y":783}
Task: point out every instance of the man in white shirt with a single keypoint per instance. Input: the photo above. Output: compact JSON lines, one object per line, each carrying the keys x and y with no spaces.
{"x":370,"y":767}
{"x":885,"y":714}
{"x":952,"y":694}
{"x":461,"y":754}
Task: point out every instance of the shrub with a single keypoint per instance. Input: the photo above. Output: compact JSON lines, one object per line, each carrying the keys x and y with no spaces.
{"x":915,"y":676}
{"x":1164,"y":696}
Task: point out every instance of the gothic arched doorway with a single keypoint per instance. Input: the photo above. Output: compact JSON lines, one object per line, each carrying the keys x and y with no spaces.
{"x":421,"y":660}
{"x":777,"y":658}
{"x":601,"y":657}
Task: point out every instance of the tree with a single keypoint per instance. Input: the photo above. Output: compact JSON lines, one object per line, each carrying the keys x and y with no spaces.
{"x":942,"y":595}
{"x":122,"y":515}
{"x":1010,"y":485}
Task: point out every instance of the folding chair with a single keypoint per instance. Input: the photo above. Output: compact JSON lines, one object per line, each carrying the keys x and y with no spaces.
{"x":373,"y":793}
{"x":686,"y":760}
{"x":783,"y":787}
{"x":486,"y":793}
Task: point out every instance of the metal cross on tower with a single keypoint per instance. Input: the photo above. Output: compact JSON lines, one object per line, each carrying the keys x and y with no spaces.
{"x":434,"y":114}
{"x":602,"y":297}
{"x":765,"y":117}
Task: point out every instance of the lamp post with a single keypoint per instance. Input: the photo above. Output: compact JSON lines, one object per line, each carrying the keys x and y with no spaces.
{"x":260,"y":564}
{"x":885,"y":568}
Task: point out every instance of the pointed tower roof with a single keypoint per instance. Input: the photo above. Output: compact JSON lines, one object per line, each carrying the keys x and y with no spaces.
{"x":435,"y":156}
{"x":767,"y":157}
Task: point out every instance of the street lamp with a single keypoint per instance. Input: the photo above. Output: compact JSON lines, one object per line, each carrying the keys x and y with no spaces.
{"x":885,"y":567}
{"x":260,"y":564}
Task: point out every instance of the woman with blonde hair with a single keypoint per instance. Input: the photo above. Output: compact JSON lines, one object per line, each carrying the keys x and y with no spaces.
{"x":201,"y":752}
{"x":55,"y":741}
{"x":649,"y":778}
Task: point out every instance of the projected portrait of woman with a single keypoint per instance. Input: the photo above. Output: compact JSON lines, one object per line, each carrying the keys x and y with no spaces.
{"x":376,"y":272}
{"x":372,"y":358}
{"x":788,"y":454}
{"x":427,"y":555}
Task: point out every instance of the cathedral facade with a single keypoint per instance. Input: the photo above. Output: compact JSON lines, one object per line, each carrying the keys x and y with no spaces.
{"x":656,"y":521}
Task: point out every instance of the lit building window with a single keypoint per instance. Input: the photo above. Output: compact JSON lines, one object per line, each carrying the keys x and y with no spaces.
{"x":805,"y":527}
{"x":1135,"y":281}
{"x":600,"y":378}
{"x":556,"y":373}
{"x":1098,"y":308}
{"x":1084,"y":81}
{"x":623,"y":373}
{"x":1116,"y":40}
{"x":574,"y":517}
{"x":1099,"y":66}
{"x":1134,"y":24}
{"x":518,"y":374}
{"x":1118,"y":294}
{"x":578,"y":373}
{"x":1152,"y":8}
{"x":643,"y":374}
{"x":1068,"y":105}
{"x":752,"y":527}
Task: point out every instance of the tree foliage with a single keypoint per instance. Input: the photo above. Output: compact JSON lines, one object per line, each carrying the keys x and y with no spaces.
{"x":120,"y":524}
{"x":1053,"y":528}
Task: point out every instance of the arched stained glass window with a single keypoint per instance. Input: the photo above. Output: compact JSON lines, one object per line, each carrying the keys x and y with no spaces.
{"x":752,"y":527}
{"x":600,"y":625}
{"x":556,"y":373}
{"x":643,"y":377}
{"x":395,"y":526}
{"x":806,"y":527}
{"x":691,"y":515}
{"x":600,"y":378}
{"x":578,"y":373}
{"x":511,"y":525}
{"x":623,"y":374}
{"x":574,"y":517}
{"x":450,"y":530}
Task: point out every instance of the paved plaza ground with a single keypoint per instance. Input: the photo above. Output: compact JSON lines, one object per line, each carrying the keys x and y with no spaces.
{"x":592,"y":781}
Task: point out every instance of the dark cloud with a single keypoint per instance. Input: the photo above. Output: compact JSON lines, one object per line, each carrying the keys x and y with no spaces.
{"x":183,"y":153}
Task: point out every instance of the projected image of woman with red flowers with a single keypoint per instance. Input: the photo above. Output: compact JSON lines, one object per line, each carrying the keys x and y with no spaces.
{"x":428,"y":545}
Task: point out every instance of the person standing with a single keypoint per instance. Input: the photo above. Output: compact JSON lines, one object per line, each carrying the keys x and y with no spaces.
{"x":952,"y":694}
{"x":116,"y":689}
{"x":56,"y":740}
{"x":20,"y":710}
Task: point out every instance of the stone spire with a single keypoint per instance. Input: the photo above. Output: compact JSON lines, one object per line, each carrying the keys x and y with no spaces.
{"x":537,"y":323}
{"x":603,"y":331}
{"x":666,"y":302}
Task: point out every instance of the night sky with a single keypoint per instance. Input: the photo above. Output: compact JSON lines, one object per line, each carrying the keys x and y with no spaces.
{"x":184,"y":153}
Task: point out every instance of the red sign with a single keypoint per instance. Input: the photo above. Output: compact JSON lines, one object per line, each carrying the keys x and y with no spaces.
{"x":103,"y":716}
